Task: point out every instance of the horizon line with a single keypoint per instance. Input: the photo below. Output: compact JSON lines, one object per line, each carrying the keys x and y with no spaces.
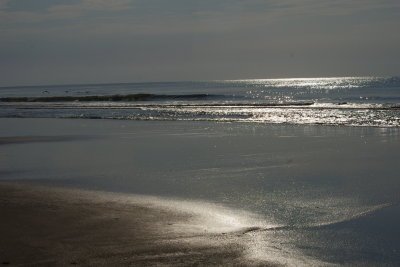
{"x":197,"y":81}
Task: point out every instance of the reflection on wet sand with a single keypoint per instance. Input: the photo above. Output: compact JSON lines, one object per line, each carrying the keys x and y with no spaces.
{"x":49,"y":226}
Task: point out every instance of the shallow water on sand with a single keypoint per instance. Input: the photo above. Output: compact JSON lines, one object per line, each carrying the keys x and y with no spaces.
{"x":326,"y":194}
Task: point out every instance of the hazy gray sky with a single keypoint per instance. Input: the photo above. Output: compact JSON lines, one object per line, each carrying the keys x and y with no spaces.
{"x":95,"y":41}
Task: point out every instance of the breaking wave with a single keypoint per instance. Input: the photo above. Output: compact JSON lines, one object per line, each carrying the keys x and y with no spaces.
{"x":349,"y":101}
{"x":111,"y":98}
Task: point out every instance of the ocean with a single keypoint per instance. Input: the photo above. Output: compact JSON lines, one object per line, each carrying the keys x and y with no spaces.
{"x":315,"y":161}
{"x":351,"y":101}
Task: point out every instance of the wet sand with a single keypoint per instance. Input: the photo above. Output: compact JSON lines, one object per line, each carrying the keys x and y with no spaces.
{"x":44,"y":226}
{"x":31,"y":139}
{"x":287,"y":175}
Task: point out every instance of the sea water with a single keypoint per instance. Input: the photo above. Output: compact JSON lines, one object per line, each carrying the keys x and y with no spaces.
{"x":353,"y":101}
{"x":327,"y":191}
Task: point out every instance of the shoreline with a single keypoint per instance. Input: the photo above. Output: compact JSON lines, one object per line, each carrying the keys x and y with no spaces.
{"x":187,"y":193}
{"x":42,"y":225}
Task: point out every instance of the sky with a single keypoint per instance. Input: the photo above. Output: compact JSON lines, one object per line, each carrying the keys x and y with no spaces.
{"x":104,"y":41}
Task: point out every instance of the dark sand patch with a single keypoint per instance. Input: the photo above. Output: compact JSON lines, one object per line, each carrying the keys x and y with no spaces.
{"x":42,"y":226}
{"x":31,"y":139}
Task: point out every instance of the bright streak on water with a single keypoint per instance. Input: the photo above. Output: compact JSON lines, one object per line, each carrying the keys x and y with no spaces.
{"x":351,"y":101}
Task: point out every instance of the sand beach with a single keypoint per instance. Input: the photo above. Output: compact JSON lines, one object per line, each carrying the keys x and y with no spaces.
{"x":154,"y":193}
{"x":44,"y":226}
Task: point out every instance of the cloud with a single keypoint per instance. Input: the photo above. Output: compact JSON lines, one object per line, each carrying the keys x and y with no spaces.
{"x":94,"y":5}
{"x":3,"y":4}
{"x":105,"y":17}
{"x":318,"y":7}
{"x":61,"y":12}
